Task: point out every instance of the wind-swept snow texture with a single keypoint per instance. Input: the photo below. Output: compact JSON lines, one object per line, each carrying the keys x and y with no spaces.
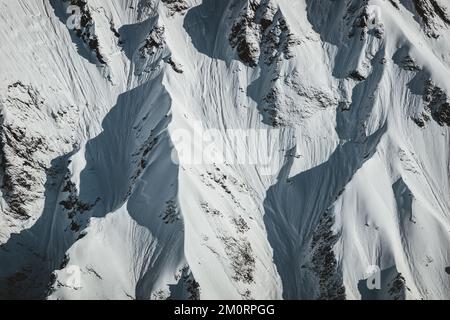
{"x":353,"y":97}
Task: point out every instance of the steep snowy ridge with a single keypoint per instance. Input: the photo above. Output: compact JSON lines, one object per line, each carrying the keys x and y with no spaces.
{"x":108,"y":192}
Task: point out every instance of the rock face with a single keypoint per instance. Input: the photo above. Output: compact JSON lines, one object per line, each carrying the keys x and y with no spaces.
{"x":324,"y":263}
{"x":85,"y":28}
{"x":261,"y":33}
{"x":437,"y":103}
{"x":26,"y":150}
{"x":362,"y":21}
{"x":280,"y":104}
{"x":153,"y":42}
{"x":433,"y":14}
{"x":232,"y":149}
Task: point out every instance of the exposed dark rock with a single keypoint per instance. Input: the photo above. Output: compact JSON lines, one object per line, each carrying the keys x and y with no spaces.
{"x":395,"y":4}
{"x":357,"y":75}
{"x":243,"y":262}
{"x":247,"y":49}
{"x":247,"y":295}
{"x":171,"y":213}
{"x":214,"y":212}
{"x":93,"y":272}
{"x":378,"y":31}
{"x":437,"y":103}
{"x":280,"y":105}
{"x":22,"y":171}
{"x":73,"y":206}
{"x":422,"y":120}
{"x":192,"y":286}
{"x":113,"y":29}
{"x":64,"y":262}
{"x":86,"y":30}
{"x":360,"y":21}
{"x":154,"y":41}
{"x":261,"y":33}
{"x":176,"y":6}
{"x":175,"y":66}
{"x":396,"y":288}
{"x":271,"y":110}
{"x":140,"y":160}
{"x":432,"y":15}
{"x":240,"y":224}
{"x":324,"y":263}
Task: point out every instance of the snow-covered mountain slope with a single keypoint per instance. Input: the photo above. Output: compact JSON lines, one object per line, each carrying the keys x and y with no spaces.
{"x":333,"y":117}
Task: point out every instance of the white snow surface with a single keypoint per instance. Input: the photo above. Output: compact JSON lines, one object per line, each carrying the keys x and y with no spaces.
{"x":108,"y":205}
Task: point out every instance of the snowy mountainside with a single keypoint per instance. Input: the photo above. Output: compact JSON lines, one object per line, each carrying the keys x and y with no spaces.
{"x":334,"y":117}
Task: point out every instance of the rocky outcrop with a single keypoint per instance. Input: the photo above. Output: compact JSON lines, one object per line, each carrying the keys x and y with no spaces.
{"x":421,"y":120}
{"x":153,"y":42}
{"x":85,"y":30}
{"x":240,"y":253}
{"x":155,"y":45}
{"x":437,"y":103}
{"x":395,"y":4}
{"x":324,"y":263}
{"x":261,"y":34}
{"x":32,"y":135}
{"x":408,"y":63}
{"x":23,"y":152}
{"x":190,"y":288}
{"x":140,"y":160}
{"x":397,"y":287}
{"x":73,"y":206}
{"x":361,"y":21}
{"x":176,"y":6}
{"x":433,"y":16}
{"x":281,"y":103}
